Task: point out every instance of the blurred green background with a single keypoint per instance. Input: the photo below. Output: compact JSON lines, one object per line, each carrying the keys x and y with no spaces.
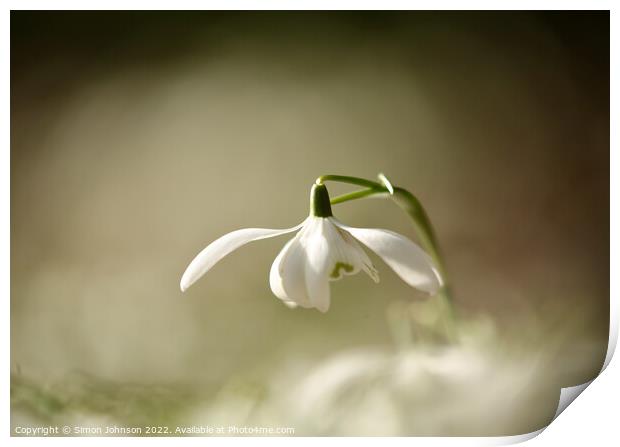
{"x":139,"y":137}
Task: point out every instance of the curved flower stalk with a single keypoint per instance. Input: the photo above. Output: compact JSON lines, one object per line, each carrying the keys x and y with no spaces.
{"x":324,"y":250}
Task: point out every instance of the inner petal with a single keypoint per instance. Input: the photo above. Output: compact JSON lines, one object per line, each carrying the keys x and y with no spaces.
{"x":335,"y":274}
{"x":358,"y":255}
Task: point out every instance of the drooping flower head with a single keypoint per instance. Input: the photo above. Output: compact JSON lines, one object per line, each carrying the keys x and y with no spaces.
{"x":323,"y":250}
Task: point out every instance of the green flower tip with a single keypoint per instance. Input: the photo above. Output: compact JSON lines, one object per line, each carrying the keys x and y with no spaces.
{"x":319,"y":201}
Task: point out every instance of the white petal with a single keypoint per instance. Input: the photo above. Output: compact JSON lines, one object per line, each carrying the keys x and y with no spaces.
{"x":317,"y":285}
{"x":358,"y":256}
{"x":219,"y":248}
{"x":330,"y":252}
{"x":287,"y":275}
{"x":409,"y":261}
{"x":275,"y":277}
{"x":318,"y":264}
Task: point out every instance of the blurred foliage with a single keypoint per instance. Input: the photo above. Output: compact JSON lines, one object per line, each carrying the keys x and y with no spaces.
{"x":421,"y":386}
{"x":83,"y":398}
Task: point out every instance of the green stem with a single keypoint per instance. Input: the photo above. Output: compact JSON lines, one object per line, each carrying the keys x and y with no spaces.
{"x":351,"y":180}
{"x":355,"y":195}
{"x":422,"y":224}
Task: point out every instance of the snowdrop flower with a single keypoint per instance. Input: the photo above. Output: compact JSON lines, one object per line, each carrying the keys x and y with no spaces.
{"x":323,"y":250}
